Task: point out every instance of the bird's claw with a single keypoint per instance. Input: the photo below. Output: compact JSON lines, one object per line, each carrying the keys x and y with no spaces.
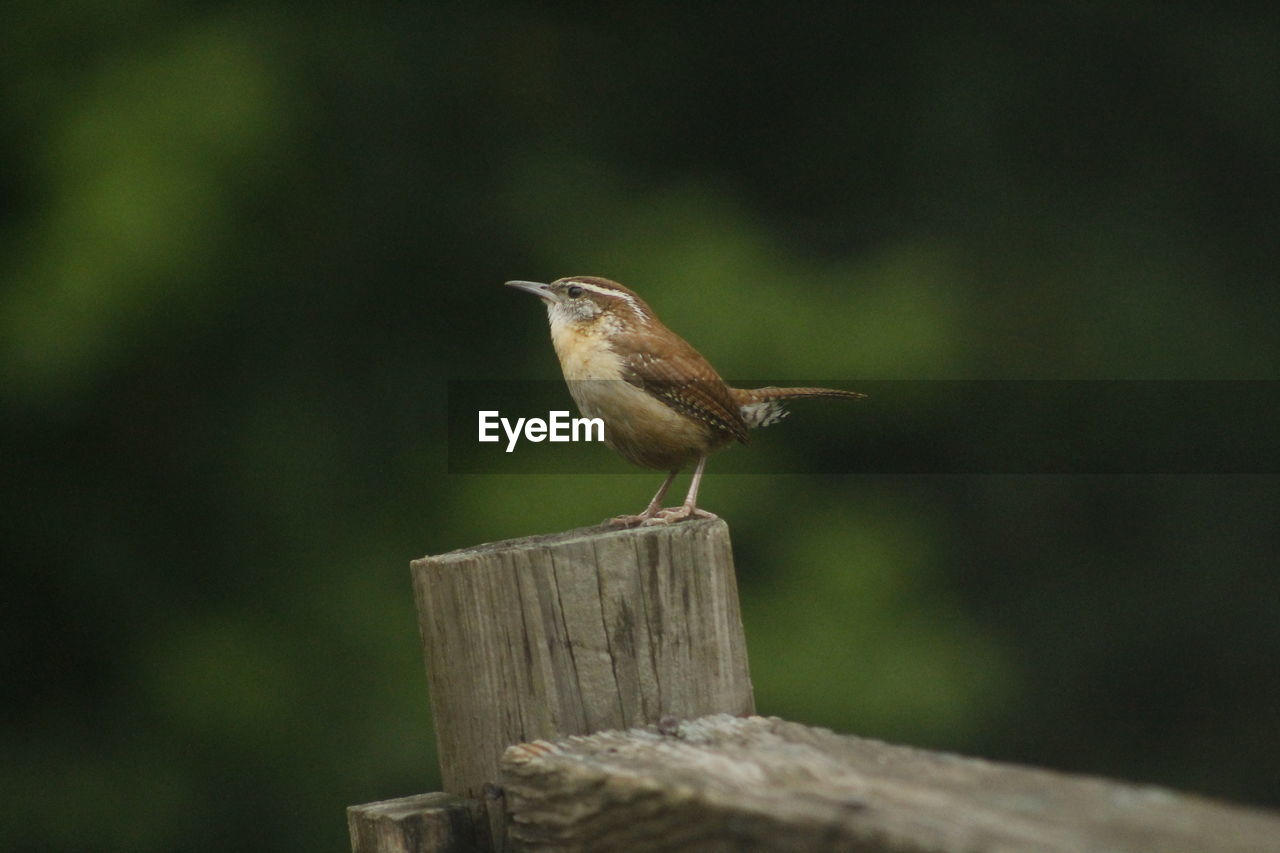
{"x":621,"y":522}
{"x":671,"y":515}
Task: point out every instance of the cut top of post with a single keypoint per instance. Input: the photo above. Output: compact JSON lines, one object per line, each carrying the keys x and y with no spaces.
{"x":593,"y":533}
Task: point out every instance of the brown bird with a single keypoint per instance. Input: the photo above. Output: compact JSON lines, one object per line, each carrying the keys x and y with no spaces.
{"x":663,"y":405}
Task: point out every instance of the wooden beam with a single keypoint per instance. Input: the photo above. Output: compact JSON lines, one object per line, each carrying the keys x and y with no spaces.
{"x":574,"y":633}
{"x":427,"y":823}
{"x":725,"y":783}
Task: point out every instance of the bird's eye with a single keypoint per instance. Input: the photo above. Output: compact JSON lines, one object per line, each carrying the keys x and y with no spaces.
{"x":574,"y":291}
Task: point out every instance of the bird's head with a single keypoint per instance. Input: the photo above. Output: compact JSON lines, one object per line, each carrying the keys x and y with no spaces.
{"x":587,"y":303}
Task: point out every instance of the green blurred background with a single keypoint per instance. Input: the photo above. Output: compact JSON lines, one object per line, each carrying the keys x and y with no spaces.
{"x":243,"y":246}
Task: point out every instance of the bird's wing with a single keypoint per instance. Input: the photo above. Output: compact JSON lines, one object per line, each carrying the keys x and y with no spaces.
{"x":682,"y":379}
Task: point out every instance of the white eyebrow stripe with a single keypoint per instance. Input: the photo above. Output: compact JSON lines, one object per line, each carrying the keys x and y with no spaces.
{"x":618,"y":294}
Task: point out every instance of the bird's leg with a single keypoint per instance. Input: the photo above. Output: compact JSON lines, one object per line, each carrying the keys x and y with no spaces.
{"x":650,"y":511}
{"x":689,"y":509}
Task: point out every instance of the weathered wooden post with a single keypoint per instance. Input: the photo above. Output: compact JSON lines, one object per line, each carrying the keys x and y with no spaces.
{"x":568,"y":634}
{"x":599,"y":681}
{"x":577,"y":633}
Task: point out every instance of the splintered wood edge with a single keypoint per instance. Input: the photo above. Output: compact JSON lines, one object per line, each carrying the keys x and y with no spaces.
{"x":544,"y":540}
{"x":765,"y":781}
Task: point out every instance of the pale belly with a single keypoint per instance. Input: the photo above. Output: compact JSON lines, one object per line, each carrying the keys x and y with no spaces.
{"x":642,"y":429}
{"x":639,"y":427}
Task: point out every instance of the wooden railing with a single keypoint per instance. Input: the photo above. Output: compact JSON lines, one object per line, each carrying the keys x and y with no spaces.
{"x":590,"y":691}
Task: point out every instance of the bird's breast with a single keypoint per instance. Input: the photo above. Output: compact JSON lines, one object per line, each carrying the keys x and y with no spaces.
{"x":585,"y":354}
{"x":640,"y":427}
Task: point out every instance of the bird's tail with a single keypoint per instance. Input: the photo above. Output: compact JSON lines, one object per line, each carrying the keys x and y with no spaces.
{"x":762,"y":407}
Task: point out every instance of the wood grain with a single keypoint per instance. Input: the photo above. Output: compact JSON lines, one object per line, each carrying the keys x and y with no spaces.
{"x":575,"y":633}
{"x":427,"y":823}
{"x":725,"y":783}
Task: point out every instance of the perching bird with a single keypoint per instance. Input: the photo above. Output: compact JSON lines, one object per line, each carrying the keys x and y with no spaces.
{"x":663,"y":405}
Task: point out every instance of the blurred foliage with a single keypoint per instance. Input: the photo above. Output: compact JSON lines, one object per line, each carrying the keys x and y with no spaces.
{"x":244,"y":245}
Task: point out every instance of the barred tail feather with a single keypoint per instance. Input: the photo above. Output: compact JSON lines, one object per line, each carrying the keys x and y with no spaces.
{"x":762,"y":407}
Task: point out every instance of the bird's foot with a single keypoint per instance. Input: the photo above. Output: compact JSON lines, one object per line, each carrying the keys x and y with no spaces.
{"x":676,"y":513}
{"x":621,"y":522}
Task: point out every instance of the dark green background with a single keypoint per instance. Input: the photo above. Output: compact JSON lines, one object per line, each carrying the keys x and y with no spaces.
{"x":243,"y":246}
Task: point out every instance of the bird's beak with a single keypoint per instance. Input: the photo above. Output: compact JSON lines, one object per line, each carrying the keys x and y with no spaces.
{"x":542,"y":291}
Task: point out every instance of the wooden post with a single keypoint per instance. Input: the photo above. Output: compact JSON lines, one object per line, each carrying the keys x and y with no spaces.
{"x":575,"y":633}
{"x":545,"y":642}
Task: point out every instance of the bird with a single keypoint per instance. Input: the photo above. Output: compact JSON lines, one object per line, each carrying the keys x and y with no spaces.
{"x":662,"y":403}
